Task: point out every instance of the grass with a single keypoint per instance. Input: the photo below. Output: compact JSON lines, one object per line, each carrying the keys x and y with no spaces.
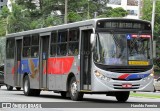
{"x":153,"y":96}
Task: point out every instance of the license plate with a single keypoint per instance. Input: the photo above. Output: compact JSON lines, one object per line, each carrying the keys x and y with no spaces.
{"x":138,"y":63}
{"x":126,"y":85}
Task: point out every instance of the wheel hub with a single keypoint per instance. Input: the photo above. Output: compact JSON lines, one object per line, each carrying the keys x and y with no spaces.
{"x":26,"y":86}
{"x":74,"y":88}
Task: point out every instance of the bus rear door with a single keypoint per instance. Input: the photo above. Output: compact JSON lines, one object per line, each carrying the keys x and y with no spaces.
{"x":17,"y":75}
{"x":44,"y":47}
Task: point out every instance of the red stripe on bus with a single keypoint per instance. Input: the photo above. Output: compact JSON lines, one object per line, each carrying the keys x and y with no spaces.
{"x":124,"y":76}
{"x":59,"y":65}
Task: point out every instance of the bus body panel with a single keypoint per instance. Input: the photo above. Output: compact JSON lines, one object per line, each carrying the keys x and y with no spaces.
{"x":9,"y":72}
{"x":31,"y":67}
{"x":59,"y":70}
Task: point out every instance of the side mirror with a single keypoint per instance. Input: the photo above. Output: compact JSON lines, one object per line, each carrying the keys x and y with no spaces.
{"x":154,"y":49}
{"x":92,"y":39}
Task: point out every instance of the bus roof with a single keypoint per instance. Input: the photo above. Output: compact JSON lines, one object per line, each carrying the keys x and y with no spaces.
{"x":66,"y":26}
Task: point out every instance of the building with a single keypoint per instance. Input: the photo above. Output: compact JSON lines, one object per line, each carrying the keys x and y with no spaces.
{"x":132,"y":6}
{"x":3,"y":3}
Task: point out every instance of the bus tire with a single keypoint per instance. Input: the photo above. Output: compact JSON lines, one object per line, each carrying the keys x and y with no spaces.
{"x":9,"y":88}
{"x":122,"y":96}
{"x":73,"y":90}
{"x":18,"y":88}
{"x":26,"y":87}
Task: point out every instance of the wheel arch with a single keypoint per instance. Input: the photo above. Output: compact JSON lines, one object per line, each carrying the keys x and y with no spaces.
{"x":24,"y":75}
{"x":70,"y":75}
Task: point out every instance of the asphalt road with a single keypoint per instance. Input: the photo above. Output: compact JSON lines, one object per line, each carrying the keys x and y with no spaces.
{"x":92,"y":100}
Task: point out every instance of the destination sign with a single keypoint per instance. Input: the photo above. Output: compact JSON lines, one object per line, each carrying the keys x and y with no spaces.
{"x":124,"y":24}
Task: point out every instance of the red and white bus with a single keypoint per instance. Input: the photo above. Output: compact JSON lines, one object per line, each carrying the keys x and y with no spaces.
{"x":98,"y":56}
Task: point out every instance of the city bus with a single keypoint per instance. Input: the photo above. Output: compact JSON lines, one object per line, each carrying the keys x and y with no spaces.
{"x":110,"y":56}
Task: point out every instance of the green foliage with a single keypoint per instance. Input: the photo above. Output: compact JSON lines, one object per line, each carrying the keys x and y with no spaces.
{"x":3,"y":26}
{"x":31,"y":14}
{"x":147,"y":15}
{"x":116,"y":12}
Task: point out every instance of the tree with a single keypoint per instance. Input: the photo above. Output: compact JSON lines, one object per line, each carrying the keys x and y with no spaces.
{"x":32,"y":14}
{"x":115,"y":12}
{"x":3,"y":20}
{"x":147,"y":14}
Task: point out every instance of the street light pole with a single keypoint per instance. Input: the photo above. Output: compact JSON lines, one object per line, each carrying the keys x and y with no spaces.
{"x":153,"y":16}
{"x":65,"y":15}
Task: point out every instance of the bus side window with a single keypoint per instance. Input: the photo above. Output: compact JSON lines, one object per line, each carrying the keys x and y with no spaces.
{"x":62,"y":43}
{"x":10,"y":48}
{"x":27,"y":46}
{"x":53,"y":47}
{"x":35,"y":46}
{"x":73,"y":43}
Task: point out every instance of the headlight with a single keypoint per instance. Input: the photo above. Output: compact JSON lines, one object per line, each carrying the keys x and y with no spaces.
{"x":101,"y":76}
{"x":152,"y":73}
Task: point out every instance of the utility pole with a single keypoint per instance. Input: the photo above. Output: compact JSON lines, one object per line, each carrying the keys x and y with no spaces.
{"x":153,"y":16}
{"x":139,"y":8}
{"x":65,"y":15}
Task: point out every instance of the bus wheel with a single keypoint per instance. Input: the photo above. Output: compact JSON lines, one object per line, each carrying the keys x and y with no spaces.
{"x":26,"y":87}
{"x":73,"y":89}
{"x":18,"y":88}
{"x":9,"y":88}
{"x":122,"y":96}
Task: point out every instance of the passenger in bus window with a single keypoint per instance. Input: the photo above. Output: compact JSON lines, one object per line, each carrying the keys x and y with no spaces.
{"x":35,"y":54}
{"x":70,"y":52}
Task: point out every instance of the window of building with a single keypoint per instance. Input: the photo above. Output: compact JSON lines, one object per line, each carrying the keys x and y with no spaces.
{"x":10,"y":48}
{"x":114,"y":2}
{"x":73,"y":44}
{"x":133,"y":12}
{"x":132,"y":2}
{"x":1,"y":0}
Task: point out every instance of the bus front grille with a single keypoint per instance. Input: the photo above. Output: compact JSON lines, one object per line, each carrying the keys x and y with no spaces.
{"x":117,"y":86}
{"x":125,"y":69}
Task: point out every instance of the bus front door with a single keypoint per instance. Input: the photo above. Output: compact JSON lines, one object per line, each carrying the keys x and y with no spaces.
{"x":85,"y":59}
{"x":17,"y":68}
{"x":44,"y":47}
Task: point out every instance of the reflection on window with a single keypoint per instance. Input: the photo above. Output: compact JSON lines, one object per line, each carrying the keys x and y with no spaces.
{"x":27,"y":41}
{"x":62,"y":36}
{"x":73,"y":49}
{"x":115,"y":2}
{"x":53,"y":50}
{"x":10,"y":48}
{"x":54,"y":37}
{"x":26,"y":52}
{"x":73,"y":35}
{"x":62,"y":49}
{"x":34,"y":51}
{"x":35,"y":40}
{"x":132,"y":2}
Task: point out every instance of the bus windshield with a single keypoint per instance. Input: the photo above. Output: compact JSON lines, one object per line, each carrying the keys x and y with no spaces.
{"x":118,"y":49}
